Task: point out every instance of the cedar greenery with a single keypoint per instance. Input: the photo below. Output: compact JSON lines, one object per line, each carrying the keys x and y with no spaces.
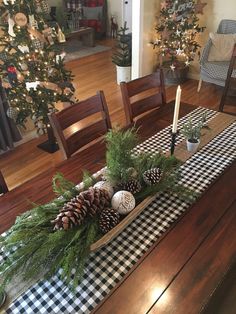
{"x":32,"y":247}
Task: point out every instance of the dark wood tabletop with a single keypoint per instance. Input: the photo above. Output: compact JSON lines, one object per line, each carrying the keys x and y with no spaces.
{"x":182,"y":271}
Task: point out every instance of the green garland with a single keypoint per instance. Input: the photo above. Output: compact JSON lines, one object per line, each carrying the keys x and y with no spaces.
{"x":40,"y":249}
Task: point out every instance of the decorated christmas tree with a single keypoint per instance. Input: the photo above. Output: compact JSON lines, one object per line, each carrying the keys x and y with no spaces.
{"x":176,"y":32}
{"x":31,"y":63}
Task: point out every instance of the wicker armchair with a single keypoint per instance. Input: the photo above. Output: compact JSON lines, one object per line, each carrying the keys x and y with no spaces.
{"x":215,"y":71}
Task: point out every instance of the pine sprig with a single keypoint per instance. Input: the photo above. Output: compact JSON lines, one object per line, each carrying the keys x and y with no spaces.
{"x":119,"y":155}
{"x":47,"y":252}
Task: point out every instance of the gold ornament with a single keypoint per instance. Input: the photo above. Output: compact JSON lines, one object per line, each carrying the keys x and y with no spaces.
{"x":34,"y":33}
{"x":21,"y":19}
{"x":60,"y":36}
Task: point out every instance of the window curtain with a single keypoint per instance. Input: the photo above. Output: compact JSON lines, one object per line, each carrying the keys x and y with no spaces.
{"x":8,"y":129}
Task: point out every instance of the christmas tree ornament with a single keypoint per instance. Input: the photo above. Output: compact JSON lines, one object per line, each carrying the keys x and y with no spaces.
{"x":11,"y":24}
{"x":6,"y":84}
{"x":42,"y":6}
{"x":47,"y":32}
{"x":23,"y":48}
{"x":20,"y":77}
{"x":12,"y":75}
{"x":12,"y":113}
{"x":60,"y":57}
{"x":60,"y":36}
{"x":123,"y":202}
{"x":152,"y":176}
{"x":105,"y":185}
{"x":108,"y":219}
{"x":32,"y":22}
{"x":133,"y":186}
{"x":3,"y":56}
{"x":6,"y":2}
{"x":32,"y":85}
{"x":37,"y":43}
{"x":24,"y":66}
{"x":34,"y":33}
{"x":73,"y":213}
{"x":20,"y":19}
{"x":40,"y":127}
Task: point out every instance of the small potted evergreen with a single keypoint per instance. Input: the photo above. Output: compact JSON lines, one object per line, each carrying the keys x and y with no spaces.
{"x":192,"y":133}
{"x":122,"y":56}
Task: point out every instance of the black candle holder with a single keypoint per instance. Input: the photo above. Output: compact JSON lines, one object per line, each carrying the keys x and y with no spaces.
{"x":173,"y":141}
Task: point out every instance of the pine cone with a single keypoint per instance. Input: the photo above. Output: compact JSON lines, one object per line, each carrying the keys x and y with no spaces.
{"x":108,"y":219}
{"x":132,"y":186}
{"x":89,"y":202}
{"x":152,"y":176}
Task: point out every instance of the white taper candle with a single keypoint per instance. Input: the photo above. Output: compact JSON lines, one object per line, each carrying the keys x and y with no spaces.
{"x":176,"y":113}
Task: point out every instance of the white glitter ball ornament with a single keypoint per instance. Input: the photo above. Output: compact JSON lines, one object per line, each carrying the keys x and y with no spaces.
{"x":105,"y":186}
{"x":123,"y":202}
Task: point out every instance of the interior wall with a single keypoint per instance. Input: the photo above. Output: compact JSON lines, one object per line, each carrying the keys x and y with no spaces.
{"x":114,"y":7}
{"x":149,"y":57}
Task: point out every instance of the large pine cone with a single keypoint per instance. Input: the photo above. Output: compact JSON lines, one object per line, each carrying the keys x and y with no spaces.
{"x":108,"y":219}
{"x":152,"y":176}
{"x":89,"y":202}
{"x":133,"y":186}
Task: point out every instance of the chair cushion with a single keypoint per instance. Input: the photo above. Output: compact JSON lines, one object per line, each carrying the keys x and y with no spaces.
{"x":222,"y":46}
{"x":93,"y":13}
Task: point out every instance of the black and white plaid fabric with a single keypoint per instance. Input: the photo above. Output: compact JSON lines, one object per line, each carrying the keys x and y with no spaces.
{"x":73,"y":4}
{"x":108,"y":266}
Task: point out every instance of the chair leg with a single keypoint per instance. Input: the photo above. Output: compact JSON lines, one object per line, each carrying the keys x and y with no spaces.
{"x":223,"y":98}
{"x":199,"y":85}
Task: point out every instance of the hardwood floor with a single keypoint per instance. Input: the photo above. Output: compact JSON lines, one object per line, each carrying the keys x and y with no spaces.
{"x":93,"y":73}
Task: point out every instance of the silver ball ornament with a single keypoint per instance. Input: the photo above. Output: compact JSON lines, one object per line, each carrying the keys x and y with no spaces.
{"x":123,"y":202}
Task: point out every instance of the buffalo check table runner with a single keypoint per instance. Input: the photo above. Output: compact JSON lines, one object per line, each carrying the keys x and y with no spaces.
{"x":106,"y":267}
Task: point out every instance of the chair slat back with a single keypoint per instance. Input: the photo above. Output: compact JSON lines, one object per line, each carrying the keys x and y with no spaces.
{"x":3,"y":185}
{"x":79,"y":111}
{"x":86,"y":135}
{"x":156,"y":97}
{"x":71,"y":141}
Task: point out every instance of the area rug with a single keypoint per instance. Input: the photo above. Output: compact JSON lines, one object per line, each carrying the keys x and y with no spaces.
{"x":75,"y":50}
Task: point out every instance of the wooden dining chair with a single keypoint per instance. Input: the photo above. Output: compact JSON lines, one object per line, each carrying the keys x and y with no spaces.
{"x":3,"y":185}
{"x":229,"y":80}
{"x":81,"y":123}
{"x":143,"y":94}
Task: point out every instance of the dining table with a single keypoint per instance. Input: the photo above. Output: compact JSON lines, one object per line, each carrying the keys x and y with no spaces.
{"x":175,"y":257}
